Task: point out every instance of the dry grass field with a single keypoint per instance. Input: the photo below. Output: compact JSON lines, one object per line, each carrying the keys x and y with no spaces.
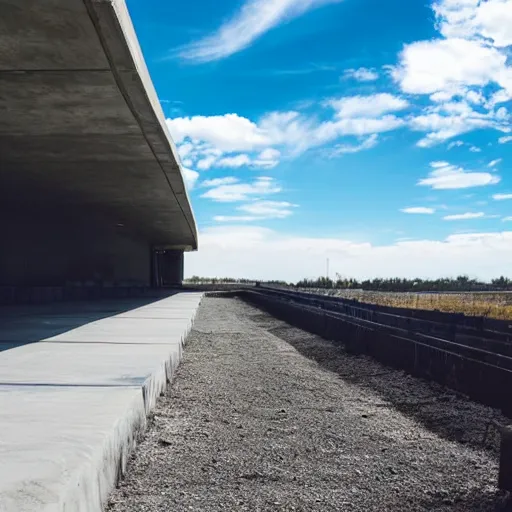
{"x":488,"y":304}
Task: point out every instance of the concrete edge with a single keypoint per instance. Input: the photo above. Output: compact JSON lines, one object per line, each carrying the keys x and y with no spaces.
{"x":118,"y":16}
{"x":97,"y":479}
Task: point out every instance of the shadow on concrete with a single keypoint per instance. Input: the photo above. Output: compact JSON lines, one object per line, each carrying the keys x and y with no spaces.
{"x":22,"y":325}
{"x":441,"y":410}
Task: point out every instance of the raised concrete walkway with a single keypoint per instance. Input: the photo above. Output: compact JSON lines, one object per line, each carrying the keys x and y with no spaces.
{"x":72,"y":403}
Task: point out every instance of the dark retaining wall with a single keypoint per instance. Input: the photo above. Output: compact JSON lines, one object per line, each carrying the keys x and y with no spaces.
{"x":470,"y":371}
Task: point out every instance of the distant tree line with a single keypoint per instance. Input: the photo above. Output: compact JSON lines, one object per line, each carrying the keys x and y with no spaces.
{"x":397,"y":284}
{"x":228,"y":280}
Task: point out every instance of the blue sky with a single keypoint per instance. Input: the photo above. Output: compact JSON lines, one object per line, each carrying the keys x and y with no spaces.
{"x":375,"y":134}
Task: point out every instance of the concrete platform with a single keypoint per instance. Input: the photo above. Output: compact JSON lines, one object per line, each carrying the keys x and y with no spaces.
{"x":75,"y":391}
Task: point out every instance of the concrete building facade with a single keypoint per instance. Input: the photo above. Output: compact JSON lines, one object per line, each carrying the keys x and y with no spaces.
{"x":91,"y":189}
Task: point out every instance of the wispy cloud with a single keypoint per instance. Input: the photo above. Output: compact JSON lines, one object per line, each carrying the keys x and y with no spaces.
{"x":268,"y":209}
{"x":419,"y":210}
{"x":255,"y":18}
{"x":502,"y":197}
{"x":234,"y":192}
{"x":494,"y":163}
{"x":465,"y":216}
{"x":217,"y":182}
{"x":445,"y":176}
{"x":368,"y":143}
{"x":362,"y":74}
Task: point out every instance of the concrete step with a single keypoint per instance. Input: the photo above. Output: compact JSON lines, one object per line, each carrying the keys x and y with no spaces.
{"x":73,"y":402}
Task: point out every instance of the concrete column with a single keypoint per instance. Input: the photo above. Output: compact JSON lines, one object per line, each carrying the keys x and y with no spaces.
{"x":167,"y":267}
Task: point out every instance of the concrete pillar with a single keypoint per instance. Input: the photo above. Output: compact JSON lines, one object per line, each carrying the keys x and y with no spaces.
{"x":167,"y":268}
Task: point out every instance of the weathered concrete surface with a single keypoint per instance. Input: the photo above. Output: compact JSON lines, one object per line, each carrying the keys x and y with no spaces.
{"x":71,"y":405}
{"x":88,"y":170}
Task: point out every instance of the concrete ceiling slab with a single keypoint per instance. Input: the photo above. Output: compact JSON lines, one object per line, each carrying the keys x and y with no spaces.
{"x":81,"y":124}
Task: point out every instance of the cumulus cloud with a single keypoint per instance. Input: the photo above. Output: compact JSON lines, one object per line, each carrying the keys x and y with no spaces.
{"x":465,"y":216}
{"x":254,"y":19}
{"x":234,"y":192}
{"x":428,"y":67}
{"x":231,"y":140}
{"x":457,"y":68}
{"x":190,"y":176}
{"x":504,"y":140}
{"x":258,"y":253}
{"x":419,"y":210}
{"x":227,"y":133}
{"x":446,"y":176}
{"x":362,"y":74}
{"x":476,"y":19}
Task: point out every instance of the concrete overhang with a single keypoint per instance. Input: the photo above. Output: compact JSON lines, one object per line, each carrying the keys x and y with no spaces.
{"x":81,"y":127}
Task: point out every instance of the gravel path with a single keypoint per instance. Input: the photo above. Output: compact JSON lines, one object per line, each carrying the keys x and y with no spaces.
{"x":265,"y":417}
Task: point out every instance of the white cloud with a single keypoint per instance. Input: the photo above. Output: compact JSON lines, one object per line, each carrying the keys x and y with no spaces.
{"x":253,"y":19}
{"x":428,"y":67}
{"x":475,"y":149}
{"x":269,"y":154}
{"x":455,"y":144}
{"x":242,"y":191}
{"x":205,"y":163}
{"x":506,"y":219}
{"x":230,"y":135}
{"x":502,"y":197}
{"x":234,"y":161}
{"x":234,"y":218}
{"x":190,"y":176}
{"x":368,"y":143}
{"x":465,"y":216}
{"x":494,"y":163}
{"x":362,"y":74}
{"x":446,"y":120}
{"x":504,"y":140}
{"x":268,"y":209}
{"x":489,"y":19}
{"x":367,"y":106}
{"x":258,"y":253}
{"x":259,"y":210}
{"x":420,"y":210}
{"x":445,"y":176}
{"x":217,"y":182}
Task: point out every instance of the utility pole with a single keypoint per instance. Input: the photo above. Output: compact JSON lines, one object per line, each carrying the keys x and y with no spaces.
{"x":327,"y":268}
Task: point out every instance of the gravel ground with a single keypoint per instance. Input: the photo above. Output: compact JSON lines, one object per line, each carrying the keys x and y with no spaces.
{"x":266,"y":417}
